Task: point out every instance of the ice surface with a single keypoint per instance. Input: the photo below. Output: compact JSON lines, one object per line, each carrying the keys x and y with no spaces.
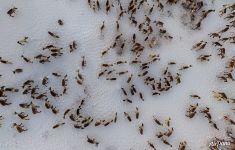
{"x":34,"y":18}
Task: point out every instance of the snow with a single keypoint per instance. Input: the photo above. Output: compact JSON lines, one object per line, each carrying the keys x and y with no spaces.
{"x":34,"y":18}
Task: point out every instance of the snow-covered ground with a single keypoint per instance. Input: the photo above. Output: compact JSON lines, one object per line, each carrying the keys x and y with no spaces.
{"x":103,"y":98}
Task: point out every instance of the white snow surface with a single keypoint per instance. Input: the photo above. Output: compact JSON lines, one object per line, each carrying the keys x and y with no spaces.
{"x":34,"y":18}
